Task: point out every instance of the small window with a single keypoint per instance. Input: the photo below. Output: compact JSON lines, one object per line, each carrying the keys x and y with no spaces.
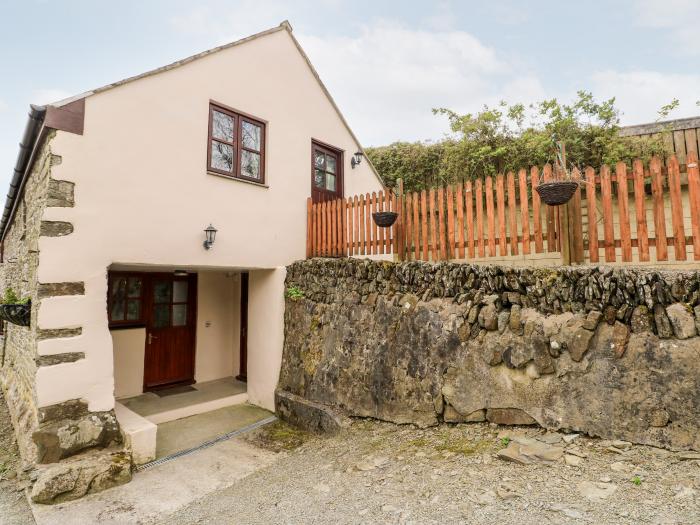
{"x":236,"y":145}
{"x":326,"y":172}
{"x":125,"y":299}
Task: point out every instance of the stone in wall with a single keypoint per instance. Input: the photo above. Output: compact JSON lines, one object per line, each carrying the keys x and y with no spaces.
{"x":609,"y":352}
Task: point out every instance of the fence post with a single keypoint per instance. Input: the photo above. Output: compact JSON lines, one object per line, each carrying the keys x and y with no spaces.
{"x":398,"y":232}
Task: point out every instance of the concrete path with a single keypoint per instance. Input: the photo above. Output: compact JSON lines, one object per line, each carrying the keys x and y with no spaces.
{"x":163,"y":489}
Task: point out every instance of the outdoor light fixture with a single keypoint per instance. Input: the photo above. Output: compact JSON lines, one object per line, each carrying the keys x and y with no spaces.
{"x":210,"y":233}
{"x":356,"y":159}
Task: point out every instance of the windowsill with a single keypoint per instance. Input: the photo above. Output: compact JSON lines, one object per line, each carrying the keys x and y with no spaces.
{"x":228,"y":177}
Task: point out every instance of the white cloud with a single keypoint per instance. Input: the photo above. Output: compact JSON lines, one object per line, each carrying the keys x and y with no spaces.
{"x":387,"y":79}
{"x":677,"y":17}
{"x":49,"y":96}
{"x":640,"y":94}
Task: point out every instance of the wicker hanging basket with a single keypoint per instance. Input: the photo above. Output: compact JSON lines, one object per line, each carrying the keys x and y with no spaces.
{"x":384,"y":219}
{"x":558,"y":192}
{"x":18,"y":314}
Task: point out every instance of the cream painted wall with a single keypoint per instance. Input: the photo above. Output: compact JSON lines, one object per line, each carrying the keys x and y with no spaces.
{"x":265,"y":334}
{"x":143,"y":195}
{"x":129,"y":346}
{"x":218,"y":326}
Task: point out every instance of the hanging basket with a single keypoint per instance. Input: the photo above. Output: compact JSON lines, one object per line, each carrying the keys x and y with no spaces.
{"x":18,"y":314}
{"x":384,"y":219}
{"x":558,"y":192}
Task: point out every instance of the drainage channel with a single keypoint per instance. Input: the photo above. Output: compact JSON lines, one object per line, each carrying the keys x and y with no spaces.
{"x":207,"y":444}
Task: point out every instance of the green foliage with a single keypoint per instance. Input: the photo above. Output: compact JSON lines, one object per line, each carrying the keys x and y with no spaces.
{"x":10,"y":297}
{"x":636,"y":480}
{"x":505,"y":441}
{"x":509,"y":137}
{"x":295,"y":293}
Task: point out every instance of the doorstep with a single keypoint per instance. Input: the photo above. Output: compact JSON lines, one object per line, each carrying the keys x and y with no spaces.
{"x":205,"y":397}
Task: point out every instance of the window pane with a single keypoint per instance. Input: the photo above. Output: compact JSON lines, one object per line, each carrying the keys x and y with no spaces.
{"x":117,"y":311}
{"x":319,"y":160}
{"x":179,"y":314}
{"x":134,"y":288}
{"x":250,"y":164}
{"x":330,"y":164}
{"x":133,"y":310}
{"x":330,"y":182}
{"x":179,"y":291}
{"x":161,"y":292}
{"x":222,"y":126}
{"x":161,"y":315}
{"x":318,"y":179}
{"x":221,"y":156}
{"x":250,"y":133}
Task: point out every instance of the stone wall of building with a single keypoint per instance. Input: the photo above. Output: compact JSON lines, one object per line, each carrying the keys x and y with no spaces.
{"x":65,"y":441}
{"x":613,"y":352}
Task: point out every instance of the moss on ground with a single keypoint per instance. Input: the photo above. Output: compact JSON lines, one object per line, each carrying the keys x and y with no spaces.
{"x":279,"y":436}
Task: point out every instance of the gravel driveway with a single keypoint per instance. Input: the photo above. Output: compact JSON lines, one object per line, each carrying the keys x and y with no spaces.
{"x":382,"y":473}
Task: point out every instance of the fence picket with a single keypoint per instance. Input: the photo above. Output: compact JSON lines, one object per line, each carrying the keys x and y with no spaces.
{"x":524,"y":211}
{"x":623,"y":212}
{"x":490,"y":217}
{"x":380,"y":208}
{"x":501,"y":214}
{"x":512,"y":214}
{"x":450,"y":223}
{"x":368,"y":225}
{"x":694,"y":198}
{"x":657,"y":189}
{"x":640,"y":211}
{"x":408,"y":232}
{"x":469,"y":201}
{"x":441,"y":221}
{"x":674,"y":186}
{"x":479,"y":217}
{"x":606,"y":199}
{"x":375,"y":228}
{"x":593,"y":252}
{"x":424,"y":223}
{"x":536,"y":210}
{"x":433,"y":225}
{"x":550,"y":213}
{"x":416,"y":227}
{"x":576,"y":221}
{"x":460,"y":221}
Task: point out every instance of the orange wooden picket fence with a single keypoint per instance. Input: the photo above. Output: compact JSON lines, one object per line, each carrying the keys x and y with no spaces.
{"x":650,"y":212}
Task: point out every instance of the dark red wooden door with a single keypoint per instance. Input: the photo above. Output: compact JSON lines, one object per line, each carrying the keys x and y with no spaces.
{"x":326,"y":172}
{"x":170,"y":330}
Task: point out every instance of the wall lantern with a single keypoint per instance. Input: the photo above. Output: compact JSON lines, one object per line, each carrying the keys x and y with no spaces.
{"x":356,"y":159}
{"x":210,"y":234}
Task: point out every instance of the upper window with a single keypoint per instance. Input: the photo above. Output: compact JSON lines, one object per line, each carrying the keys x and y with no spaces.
{"x":326,"y":172}
{"x":236,"y":144}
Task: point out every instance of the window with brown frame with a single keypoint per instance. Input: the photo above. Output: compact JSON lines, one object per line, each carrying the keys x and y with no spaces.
{"x":125,"y":294}
{"x":236,"y":144}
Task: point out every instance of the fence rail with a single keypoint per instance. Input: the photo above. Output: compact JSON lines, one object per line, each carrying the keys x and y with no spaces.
{"x":646,"y":213}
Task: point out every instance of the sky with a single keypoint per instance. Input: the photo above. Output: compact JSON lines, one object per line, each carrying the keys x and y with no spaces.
{"x":386,"y":63}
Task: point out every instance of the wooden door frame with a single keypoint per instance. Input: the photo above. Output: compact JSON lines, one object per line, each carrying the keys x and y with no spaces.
{"x":243,"y":329}
{"x":193,"y":306}
{"x":340,"y":171}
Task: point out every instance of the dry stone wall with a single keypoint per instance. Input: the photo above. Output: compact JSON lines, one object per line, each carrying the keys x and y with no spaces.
{"x":613,"y":352}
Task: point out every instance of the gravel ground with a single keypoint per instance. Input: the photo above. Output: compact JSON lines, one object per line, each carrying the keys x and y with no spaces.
{"x":14,"y":508}
{"x":381,"y":473}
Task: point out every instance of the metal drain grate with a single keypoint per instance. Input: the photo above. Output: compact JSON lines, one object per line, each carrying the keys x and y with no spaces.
{"x":207,"y":444}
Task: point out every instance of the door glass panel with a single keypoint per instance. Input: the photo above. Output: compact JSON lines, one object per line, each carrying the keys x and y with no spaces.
{"x":117,"y":312}
{"x":250,"y":164}
{"x":133,"y":310}
{"x":117,"y":300}
{"x":250,"y":133}
{"x":161,"y":292}
{"x":318,"y":179}
{"x":134,"y":288}
{"x":161,"y":315}
{"x":222,"y":126}
{"x":330,"y":164}
{"x":179,"y":314}
{"x":221,"y":156}
{"x":179,"y":291}
{"x":330,"y":182}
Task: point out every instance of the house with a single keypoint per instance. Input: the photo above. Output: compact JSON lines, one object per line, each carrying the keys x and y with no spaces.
{"x":149,"y":222}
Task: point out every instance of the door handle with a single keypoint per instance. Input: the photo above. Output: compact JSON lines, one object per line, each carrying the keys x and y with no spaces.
{"x":151,"y":337}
